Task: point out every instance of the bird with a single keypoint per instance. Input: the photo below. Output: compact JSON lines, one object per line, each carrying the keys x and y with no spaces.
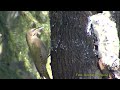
{"x":38,"y":51}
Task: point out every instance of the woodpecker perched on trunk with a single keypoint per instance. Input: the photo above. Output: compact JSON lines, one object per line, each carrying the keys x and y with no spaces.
{"x":38,"y":51}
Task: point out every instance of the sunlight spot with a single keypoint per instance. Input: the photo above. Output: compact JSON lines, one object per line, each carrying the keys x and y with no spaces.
{"x":1,"y":46}
{"x":45,"y":12}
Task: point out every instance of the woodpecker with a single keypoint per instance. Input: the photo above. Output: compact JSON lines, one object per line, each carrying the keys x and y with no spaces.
{"x":38,"y":51}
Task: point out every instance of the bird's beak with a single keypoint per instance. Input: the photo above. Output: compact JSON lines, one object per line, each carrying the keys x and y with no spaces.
{"x":39,"y":30}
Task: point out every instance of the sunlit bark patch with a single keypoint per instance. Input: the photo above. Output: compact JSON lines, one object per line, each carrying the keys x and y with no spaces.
{"x":102,"y":27}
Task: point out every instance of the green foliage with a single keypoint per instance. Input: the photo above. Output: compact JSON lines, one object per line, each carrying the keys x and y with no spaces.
{"x":13,"y":46}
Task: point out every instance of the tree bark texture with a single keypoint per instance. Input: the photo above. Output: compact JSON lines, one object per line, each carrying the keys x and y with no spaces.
{"x":72,"y":54}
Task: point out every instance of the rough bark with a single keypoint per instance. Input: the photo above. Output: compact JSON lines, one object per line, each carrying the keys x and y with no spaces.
{"x":72,"y":54}
{"x":116,"y":17}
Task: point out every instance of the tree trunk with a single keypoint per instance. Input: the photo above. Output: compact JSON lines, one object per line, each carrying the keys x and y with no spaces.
{"x":116,"y":17}
{"x":72,"y":54}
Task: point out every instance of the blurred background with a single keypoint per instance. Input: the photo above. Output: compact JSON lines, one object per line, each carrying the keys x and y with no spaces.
{"x":15,"y":61}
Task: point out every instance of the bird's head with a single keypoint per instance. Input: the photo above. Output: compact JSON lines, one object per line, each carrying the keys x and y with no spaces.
{"x":35,"y":31}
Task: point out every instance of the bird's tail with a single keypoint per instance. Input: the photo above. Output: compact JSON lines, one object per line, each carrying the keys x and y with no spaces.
{"x":43,"y":72}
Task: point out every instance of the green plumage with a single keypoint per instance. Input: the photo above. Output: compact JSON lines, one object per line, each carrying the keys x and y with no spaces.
{"x":38,"y":51}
